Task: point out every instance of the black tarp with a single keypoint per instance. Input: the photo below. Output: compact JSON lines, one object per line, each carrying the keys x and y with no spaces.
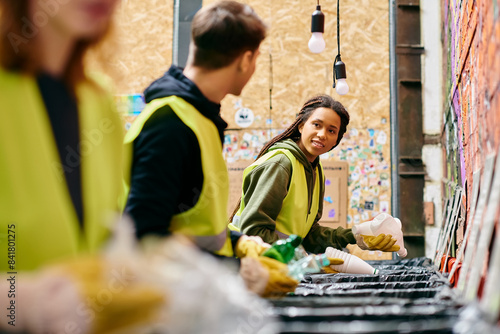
{"x":407,"y":296}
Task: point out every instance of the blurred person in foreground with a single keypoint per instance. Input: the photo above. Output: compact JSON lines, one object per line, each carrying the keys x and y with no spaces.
{"x":61,"y":146}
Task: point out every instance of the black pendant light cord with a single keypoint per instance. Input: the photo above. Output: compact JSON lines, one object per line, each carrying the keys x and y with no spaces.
{"x":338,"y":29}
{"x":337,"y":58}
{"x":270,"y":94}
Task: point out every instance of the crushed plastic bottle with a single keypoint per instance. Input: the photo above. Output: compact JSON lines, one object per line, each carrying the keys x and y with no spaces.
{"x":308,"y":265}
{"x":300,"y":253}
{"x":383,"y":223}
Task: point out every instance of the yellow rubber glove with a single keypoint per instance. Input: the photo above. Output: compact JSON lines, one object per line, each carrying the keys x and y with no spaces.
{"x":113,"y":297}
{"x":382,"y":242}
{"x":279,"y":282}
{"x":329,"y":270}
{"x":251,"y":246}
{"x":333,"y":261}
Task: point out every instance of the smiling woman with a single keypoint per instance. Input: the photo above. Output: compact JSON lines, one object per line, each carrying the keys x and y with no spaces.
{"x":283,"y":190}
{"x":319,"y":133}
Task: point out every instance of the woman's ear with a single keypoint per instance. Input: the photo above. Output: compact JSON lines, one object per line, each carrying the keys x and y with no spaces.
{"x":300,"y":127}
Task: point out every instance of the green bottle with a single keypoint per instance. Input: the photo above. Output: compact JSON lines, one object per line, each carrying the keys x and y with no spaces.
{"x":283,"y":250}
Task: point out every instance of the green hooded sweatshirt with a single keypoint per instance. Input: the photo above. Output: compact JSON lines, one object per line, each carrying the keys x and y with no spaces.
{"x":264,"y":189}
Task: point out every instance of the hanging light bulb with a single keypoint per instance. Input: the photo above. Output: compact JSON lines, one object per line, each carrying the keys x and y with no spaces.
{"x":339,"y":73}
{"x":317,"y":43}
{"x":342,"y":87}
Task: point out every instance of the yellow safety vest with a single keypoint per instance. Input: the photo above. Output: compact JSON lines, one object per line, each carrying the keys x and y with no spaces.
{"x":295,"y":216}
{"x":206,"y":220}
{"x":38,"y":223}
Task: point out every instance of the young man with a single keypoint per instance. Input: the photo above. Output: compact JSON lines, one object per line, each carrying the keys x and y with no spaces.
{"x":179,"y":181}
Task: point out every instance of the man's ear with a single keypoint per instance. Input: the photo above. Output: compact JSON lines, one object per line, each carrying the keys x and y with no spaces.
{"x":246,"y":61}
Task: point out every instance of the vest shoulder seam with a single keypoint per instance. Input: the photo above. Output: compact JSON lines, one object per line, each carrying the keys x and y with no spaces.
{"x":280,"y":160}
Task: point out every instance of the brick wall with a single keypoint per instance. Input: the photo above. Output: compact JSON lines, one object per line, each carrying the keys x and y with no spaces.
{"x":471,"y":60}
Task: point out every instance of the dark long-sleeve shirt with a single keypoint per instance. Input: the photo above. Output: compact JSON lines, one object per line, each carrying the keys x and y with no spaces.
{"x":62,"y":111}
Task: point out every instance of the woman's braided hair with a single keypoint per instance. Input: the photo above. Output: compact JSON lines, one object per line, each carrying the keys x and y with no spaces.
{"x":319,"y":101}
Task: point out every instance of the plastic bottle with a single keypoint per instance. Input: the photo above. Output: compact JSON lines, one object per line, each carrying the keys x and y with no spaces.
{"x":308,"y":265}
{"x":383,"y":223}
{"x":352,"y":264}
{"x":283,"y":250}
{"x":300,"y":253}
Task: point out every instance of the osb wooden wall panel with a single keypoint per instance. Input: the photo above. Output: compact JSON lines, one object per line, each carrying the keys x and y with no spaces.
{"x":139,"y":49}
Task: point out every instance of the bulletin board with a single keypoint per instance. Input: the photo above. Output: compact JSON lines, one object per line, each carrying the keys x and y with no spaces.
{"x":335,"y":198}
{"x":235,"y":171}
